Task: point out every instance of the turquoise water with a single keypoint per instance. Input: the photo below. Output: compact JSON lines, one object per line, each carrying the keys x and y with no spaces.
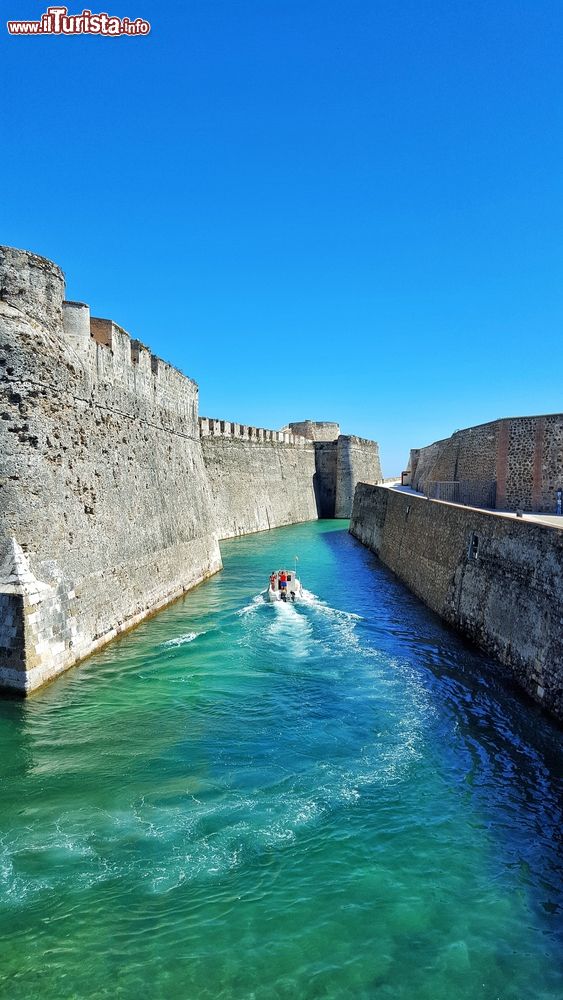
{"x":236,"y":800}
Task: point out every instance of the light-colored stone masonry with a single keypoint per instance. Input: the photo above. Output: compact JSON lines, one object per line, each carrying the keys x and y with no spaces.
{"x":108,"y":509}
{"x":259,"y":478}
{"x":243,"y":432}
{"x":263,"y":479}
{"x":105,"y":507}
{"x":315,"y":430}
{"x":499,"y":580}
{"x":342,"y":461}
{"x":357,"y":461}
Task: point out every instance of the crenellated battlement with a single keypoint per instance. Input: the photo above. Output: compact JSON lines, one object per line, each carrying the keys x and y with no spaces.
{"x":106,"y":333}
{"x":32,"y":288}
{"x":89,"y":334}
{"x":113,"y":493}
{"x":105,"y":337}
{"x":209,"y":427}
{"x":99,"y":453}
{"x":330,"y":466}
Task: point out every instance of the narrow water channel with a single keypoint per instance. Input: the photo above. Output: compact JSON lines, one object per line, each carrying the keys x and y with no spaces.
{"x":337,"y":799}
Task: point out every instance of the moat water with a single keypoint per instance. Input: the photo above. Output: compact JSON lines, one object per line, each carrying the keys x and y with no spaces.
{"x":338,"y":799}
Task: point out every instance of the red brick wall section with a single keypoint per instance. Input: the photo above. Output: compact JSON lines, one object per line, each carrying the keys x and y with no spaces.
{"x":538,"y":463}
{"x":502,"y":462}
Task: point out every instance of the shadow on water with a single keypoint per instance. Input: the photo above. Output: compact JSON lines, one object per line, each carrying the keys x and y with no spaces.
{"x":336,"y":799}
{"x":401,"y":620}
{"x":501,"y":730}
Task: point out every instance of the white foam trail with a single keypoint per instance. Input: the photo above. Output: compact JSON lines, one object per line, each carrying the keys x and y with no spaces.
{"x":182,"y":639}
{"x":343,"y":623}
{"x":288,"y":619}
{"x":254,"y":604}
{"x":291,"y":626}
{"x":291,"y":629}
{"x":307,"y":597}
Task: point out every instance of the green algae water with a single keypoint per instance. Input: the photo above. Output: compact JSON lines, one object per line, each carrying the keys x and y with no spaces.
{"x":237,"y":800}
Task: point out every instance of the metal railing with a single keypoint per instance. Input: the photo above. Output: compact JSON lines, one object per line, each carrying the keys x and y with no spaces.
{"x":470,"y":492}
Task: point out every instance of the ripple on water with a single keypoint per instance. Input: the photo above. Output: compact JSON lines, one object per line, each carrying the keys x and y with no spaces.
{"x":182,"y":640}
{"x":307,"y":801}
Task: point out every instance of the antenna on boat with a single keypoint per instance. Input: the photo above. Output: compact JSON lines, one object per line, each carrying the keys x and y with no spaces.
{"x":296,"y":558}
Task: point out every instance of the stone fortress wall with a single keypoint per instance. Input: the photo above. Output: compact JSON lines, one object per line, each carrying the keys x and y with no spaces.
{"x":264,"y":478}
{"x":521,"y":456}
{"x":105,"y":508}
{"x":341,"y":462}
{"x":314,"y":430}
{"x":259,"y":478}
{"x":357,"y":461}
{"x":113,"y":493}
{"x":497,"y":579}
{"x":243,"y":432}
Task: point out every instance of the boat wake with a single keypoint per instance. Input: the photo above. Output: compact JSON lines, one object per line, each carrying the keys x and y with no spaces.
{"x":341,"y":624}
{"x":181,"y":640}
{"x":257,"y":602}
{"x":290,"y":629}
{"x":309,"y":622}
{"x":313,"y":601}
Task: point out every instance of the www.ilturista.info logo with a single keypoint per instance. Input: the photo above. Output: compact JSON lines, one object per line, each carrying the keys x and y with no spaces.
{"x":58,"y":21}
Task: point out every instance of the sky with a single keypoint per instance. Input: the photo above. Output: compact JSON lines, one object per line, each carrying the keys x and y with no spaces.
{"x":344,"y":210}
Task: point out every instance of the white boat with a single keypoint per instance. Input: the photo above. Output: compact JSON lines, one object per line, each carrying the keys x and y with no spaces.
{"x":290,"y":592}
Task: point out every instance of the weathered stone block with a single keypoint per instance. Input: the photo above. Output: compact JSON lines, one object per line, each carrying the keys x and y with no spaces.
{"x":111,"y":444}
{"x":499,"y":580}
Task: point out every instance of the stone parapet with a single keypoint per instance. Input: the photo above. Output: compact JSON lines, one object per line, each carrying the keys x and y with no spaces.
{"x":498,"y":580}
{"x":209,"y":427}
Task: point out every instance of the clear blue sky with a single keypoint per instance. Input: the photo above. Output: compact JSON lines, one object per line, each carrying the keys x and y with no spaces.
{"x":344,"y":210}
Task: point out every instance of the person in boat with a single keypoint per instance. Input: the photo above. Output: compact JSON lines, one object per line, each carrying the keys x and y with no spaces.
{"x":273,"y":580}
{"x":283,"y":580}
